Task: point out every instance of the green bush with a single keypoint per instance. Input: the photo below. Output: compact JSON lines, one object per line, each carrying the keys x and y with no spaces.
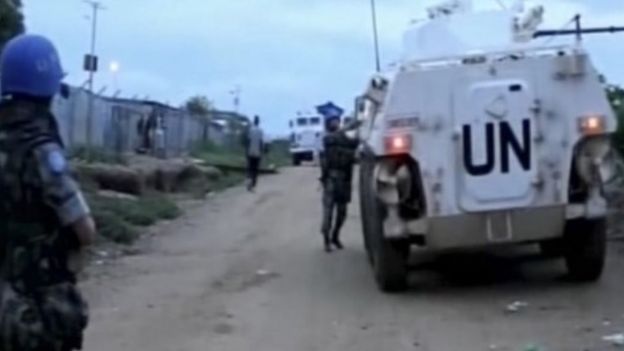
{"x":214,"y":154}
{"x":114,"y":228}
{"x":616,"y":97}
{"x":144,"y":211}
{"x":229,"y":180}
{"x":278,"y":154}
{"x":160,"y":206}
{"x":117,"y":219}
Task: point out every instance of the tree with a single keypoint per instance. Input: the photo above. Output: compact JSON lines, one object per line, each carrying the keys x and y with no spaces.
{"x":11,"y":20}
{"x":199,"y":105}
{"x":616,"y":97}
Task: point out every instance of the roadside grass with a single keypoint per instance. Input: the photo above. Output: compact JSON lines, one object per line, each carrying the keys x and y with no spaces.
{"x":92,"y":154}
{"x":118,"y":218}
{"x":279,"y":154}
{"x":229,"y":180}
{"x":216,"y":155}
{"x":114,"y":228}
{"x":234,"y":156}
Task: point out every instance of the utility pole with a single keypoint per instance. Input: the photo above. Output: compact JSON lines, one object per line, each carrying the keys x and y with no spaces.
{"x":375,"y":36}
{"x":236,"y":93}
{"x":90,"y":65}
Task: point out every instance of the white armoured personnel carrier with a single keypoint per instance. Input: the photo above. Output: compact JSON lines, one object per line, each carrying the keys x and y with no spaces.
{"x":306,"y":135}
{"x":480,"y":143}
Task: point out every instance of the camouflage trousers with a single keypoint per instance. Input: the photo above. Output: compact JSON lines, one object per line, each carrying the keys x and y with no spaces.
{"x":336,"y":198}
{"x":51,"y":319}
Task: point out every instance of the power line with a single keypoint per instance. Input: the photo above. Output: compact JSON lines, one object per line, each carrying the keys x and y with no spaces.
{"x":92,"y":63}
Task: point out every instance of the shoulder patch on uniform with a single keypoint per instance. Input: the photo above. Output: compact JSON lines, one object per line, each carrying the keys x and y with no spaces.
{"x":56,"y":161}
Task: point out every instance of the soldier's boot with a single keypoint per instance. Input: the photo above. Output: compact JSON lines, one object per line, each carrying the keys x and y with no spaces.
{"x":341,"y":217}
{"x":336,"y":240}
{"x":328,"y":218}
{"x":327,"y":242}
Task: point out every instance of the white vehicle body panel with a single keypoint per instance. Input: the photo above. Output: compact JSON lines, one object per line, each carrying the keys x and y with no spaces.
{"x":489,"y":107}
{"x":441,"y":101}
{"x":306,"y":137}
{"x":483,"y":136}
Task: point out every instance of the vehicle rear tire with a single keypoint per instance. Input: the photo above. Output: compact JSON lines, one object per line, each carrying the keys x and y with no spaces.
{"x":365,"y":181}
{"x":552,"y":248}
{"x":390,"y":265}
{"x":388,"y":257}
{"x":296,"y":160}
{"x":585,"y":248}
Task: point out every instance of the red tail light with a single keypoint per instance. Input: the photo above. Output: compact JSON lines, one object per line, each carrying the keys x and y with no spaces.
{"x":592,"y":125}
{"x":398,"y":144}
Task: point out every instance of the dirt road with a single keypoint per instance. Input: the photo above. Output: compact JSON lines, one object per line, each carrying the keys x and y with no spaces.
{"x":246,"y":272}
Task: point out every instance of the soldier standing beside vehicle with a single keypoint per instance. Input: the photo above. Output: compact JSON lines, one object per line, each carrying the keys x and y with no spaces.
{"x":45,"y":222}
{"x":337,"y":160}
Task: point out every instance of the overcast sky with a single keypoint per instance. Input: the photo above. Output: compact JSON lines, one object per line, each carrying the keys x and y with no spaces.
{"x":287,"y":55}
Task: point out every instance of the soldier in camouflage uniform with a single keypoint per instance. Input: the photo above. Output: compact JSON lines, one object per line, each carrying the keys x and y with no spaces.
{"x":337,"y":160}
{"x":44,"y":220}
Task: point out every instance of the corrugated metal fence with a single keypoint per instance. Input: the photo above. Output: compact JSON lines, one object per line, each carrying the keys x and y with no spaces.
{"x":115,"y":125}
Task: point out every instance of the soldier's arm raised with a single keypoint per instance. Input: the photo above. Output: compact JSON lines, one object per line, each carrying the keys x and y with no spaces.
{"x":353,"y":143}
{"x":355,"y":124}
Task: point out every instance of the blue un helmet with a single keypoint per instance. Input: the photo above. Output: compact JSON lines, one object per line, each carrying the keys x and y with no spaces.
{"x":30,"y":65}
{"x":330,"y":112}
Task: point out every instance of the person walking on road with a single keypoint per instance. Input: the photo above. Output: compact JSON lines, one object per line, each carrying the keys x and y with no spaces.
{"x":45,"y":223}
{"x":337,"y":161}
{"x":254,"y":146}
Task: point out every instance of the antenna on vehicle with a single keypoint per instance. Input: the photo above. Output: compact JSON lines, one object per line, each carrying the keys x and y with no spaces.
{"x":375,"y":36}
{"x":578,"y":31}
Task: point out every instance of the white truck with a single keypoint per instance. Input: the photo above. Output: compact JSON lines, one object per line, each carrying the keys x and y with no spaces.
{"x":306,"y":133}
{"x":480,"y":145}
